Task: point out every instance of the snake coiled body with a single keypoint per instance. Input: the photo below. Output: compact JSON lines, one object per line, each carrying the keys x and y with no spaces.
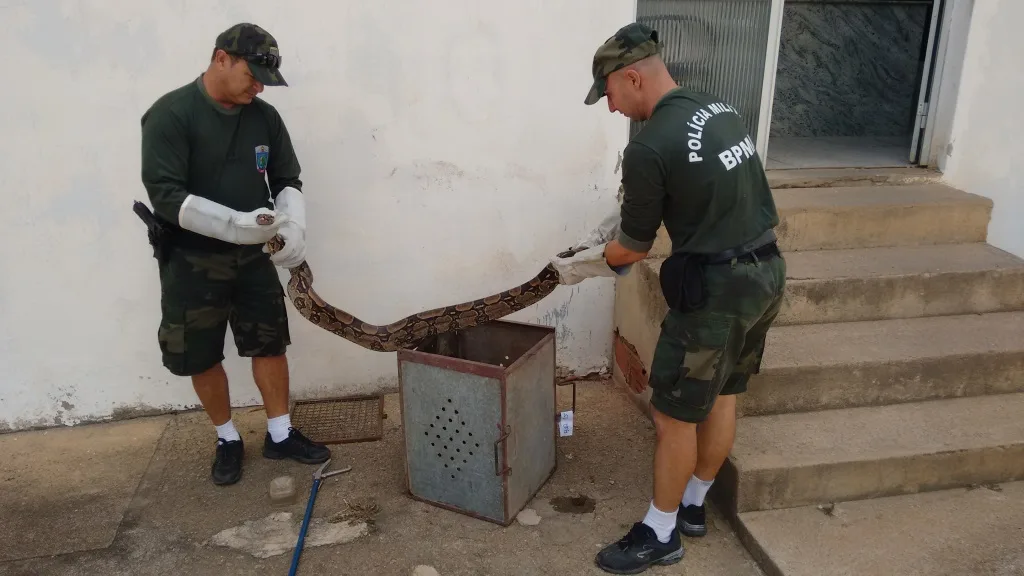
{"x":411,"y":331}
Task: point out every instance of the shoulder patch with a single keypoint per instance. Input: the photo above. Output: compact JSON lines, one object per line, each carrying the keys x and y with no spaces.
{"x":262,"y":157}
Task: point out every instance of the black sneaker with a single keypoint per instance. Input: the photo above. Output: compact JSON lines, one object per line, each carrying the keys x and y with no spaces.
{"x":297,"y":447}
{"x":638,"y":550}
{"x":227,"y":465}
{"x":691,"y":521}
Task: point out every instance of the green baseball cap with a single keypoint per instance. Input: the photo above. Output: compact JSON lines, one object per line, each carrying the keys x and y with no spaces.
{"x":258,"y":48}
{"x":632,"y":43}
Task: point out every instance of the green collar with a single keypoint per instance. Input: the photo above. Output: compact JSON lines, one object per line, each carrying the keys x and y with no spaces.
{"x":666,"y":97}
{"x":216,"y":105}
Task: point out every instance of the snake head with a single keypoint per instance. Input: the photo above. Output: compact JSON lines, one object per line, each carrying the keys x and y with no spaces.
{"x":275,"y":244}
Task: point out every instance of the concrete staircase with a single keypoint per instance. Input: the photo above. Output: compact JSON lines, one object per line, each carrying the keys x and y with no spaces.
{"x":894,"y":378}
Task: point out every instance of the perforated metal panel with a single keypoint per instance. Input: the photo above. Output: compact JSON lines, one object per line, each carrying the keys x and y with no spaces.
{"x":479,"y":428}
{"x":451,"y":421}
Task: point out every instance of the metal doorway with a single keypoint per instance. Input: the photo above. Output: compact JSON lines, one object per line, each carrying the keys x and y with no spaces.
{"x":853,"y":83}
{"x":723,"y":47}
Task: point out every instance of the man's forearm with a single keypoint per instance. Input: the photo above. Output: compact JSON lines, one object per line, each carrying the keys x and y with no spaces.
{"x":618,"y":255}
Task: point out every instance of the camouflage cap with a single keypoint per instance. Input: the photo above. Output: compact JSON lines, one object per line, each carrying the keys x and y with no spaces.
{"x":258,"y":48}
{"x":632,"y":43}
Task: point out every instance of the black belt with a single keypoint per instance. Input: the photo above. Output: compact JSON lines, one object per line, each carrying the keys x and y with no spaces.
{"x":760,"y":253}
{"x":682,"y":274}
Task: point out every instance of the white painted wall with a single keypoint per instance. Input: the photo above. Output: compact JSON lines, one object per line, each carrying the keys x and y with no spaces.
{"x":404,"y":113}
{"x":985,"y":145}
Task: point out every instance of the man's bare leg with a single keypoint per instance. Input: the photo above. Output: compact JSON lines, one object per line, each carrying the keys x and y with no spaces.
{"x":715,"y":437}
{"x":656,"y":540}
{"x":714,"y":442}
{"x":271,"y":376}
{"x":675,"y":456}
{"x":282,"y":441}
{"x":212,"y":388}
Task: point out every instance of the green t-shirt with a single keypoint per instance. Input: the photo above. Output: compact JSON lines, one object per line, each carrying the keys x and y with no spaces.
{"x":694,"y":166}
{"x":239,"y":157}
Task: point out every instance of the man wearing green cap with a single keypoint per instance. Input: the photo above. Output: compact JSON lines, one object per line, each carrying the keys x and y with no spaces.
{"x":694,"y":168}
{"x":214,"y":155}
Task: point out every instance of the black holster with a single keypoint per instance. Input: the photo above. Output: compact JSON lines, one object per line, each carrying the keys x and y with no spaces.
{"x":161,"y":234}
{"x":683,"y":283}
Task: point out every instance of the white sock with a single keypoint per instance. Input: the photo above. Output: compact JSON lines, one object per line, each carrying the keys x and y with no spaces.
{"x":663,"y":523}
{"x":696,"y":490}
{"x":227,"y":431}
{"x":278,"y":427}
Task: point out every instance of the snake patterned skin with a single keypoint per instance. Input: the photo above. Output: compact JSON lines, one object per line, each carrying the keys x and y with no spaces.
{"x":413,"y":330}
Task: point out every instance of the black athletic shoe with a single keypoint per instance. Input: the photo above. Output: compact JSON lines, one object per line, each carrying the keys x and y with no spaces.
{"x":297,"y":447}
{"x":638,"y":550}
{"x":227,"y":465}
{"x":691,"y":521}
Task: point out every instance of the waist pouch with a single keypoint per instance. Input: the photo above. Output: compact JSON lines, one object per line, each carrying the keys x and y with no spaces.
{"x":683,"y":282}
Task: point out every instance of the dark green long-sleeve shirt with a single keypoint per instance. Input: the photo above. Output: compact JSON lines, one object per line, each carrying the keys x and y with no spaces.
{"x":239,"y":157}
{"x":694,"y":167}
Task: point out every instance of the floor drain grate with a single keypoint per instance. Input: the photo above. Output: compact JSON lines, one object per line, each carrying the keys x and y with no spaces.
{"x":340,"y":420}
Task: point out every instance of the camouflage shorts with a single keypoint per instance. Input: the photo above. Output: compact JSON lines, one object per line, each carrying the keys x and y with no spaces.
{"x":203,"y":292}
{"x":714,"y":351}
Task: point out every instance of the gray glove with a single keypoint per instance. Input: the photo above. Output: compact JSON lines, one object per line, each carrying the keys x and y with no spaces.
{"x":605,"y":232}
{"x":589,"y":262}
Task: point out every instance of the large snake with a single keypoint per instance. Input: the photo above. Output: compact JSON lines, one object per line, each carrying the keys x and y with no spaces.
{"x":414,"y":330}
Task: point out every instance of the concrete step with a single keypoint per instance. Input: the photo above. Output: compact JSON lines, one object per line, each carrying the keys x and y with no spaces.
{"x":827,"y":366}
{"x":832,"y":218}
{"x":976,"y":530}
{"x":825,"y":177}
{"x":814,"y":458}
{"x":902,"y":282}
{"x":884,"y":283}
{"x":841,"y":365}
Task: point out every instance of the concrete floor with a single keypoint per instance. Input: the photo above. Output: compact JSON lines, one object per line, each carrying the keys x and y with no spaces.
{"x":135,"y":498}
{"x":978,"y":530}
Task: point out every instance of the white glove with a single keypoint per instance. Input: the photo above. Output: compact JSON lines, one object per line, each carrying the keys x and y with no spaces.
{"x":291,"y":203}
{"x":215,"y":220}
{"x":605,"y":232}
{"x":589,"y":263}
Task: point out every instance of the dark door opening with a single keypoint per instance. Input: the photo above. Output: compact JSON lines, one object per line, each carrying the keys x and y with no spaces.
{"x":848,"y":83}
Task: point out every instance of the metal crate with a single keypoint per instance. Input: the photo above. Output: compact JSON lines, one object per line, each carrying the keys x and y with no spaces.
{"x":479,"y":419}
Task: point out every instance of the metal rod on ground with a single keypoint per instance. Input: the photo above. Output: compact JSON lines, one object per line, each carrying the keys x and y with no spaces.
{"x":302,"y":531}
{"x":318,"y":476}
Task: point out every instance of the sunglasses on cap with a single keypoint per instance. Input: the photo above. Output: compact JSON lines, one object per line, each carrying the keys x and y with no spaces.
{"x":272,"y":61}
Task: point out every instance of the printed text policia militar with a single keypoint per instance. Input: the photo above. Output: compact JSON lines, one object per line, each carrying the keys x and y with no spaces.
{"x":731,"y":157}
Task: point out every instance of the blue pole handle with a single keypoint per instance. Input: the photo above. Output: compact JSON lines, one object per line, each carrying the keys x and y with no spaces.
{"x":302,"y":531}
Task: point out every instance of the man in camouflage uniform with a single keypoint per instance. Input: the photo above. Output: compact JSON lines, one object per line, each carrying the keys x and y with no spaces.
{"x":693,"y":167}
{"x":213,"y":156}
